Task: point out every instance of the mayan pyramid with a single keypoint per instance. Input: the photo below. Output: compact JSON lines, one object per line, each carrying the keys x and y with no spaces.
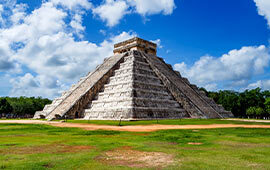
{"x":133,"y":84}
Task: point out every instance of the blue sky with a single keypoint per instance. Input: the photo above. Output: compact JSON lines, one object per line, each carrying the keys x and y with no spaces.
{"x":45,"y":46}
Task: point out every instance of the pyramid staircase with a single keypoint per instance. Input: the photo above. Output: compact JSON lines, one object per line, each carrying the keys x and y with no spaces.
{"x":134,"y":84}
{"x":134,"y":92}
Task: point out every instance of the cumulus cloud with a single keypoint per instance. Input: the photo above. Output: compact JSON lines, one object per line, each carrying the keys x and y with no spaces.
{"x":1,"y":17}
{"x":111,"y":11}
{"x":150,"y":7}
{"x":76,"y":24}
{"x":29,"y":85}
{"x":263,"y":84}
{"x":61,"y":61}
{"x":18,"y":13}
{"x":71,"y":4}
{"x":43,"y":42}
{"x":264,"y":9}
{"x":237,"y":67}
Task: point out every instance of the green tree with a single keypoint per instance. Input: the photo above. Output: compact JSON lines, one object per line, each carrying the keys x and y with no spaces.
{"x":267,"y":106}
{"x":266,"y":94}
{"x":5,"y":107}
{"x":259,"y":112}
{"x":251,"y":111}
{"x":27,"y":105}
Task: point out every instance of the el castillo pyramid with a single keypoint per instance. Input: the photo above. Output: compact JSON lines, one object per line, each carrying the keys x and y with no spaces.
{"x":133,"y":84}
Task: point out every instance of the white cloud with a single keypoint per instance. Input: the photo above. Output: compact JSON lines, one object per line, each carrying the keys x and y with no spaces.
{"x":211,"y":87}
{"x":61,"y":59}
{"x":71,"y":4}
{"x":43,"y":42}
{"x":149,"y":7}
{"x":263,"y":84}
{"x":18,"y":13}
{"x":76,"y":24}
{"x":236,"y":67}
{"x":158,"y":42}
{"x":103,"y":32}
{"x":111,"y":11}
{"x":264,"y":9}
{"x":1,"y":11}
{"x":28,"y":85}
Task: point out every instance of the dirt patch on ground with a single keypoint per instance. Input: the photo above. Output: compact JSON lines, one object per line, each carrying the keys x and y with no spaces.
{"x":135,"y":128}
{"x":250,"y":120}
{"x":51,"y":148}
{"x":151,"y":128}
{"x":194,"y":143}
{"x":126,"y":156}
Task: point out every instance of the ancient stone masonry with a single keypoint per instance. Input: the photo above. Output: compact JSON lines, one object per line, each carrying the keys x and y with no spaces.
{"x":134,"y":84}
{"x":134,"y":92}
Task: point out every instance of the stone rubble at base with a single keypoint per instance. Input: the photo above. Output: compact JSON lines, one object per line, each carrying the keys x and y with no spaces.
{"x":134,"y":84}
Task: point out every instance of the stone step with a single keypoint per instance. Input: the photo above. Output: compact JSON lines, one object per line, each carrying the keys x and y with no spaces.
{"x":149,"y":86}
{"x":136,"y":101}
{"x":133,"y":108}
{"x":130,"y":82}
{"x":135,"y":64}
{"x":120,"y":102}
{"x":138,"y":112}
{"x":135,"y":84}
{"x":73,"y":87}
{"x":136,"y":58}
{"x":135,"y":92}
{"x":49,"y":107}
{"x":134,"y":70}
{"x":153,"y":102}
{"x":115,"y":94}
{"x":153,"y":94}
{"x":119,"y":85}
{"x":56,"y":101}
{"x":134,"y":76}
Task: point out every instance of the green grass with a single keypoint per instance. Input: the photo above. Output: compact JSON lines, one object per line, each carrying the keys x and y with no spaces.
{"x":230,"y":148}
{"x":165,"y":122}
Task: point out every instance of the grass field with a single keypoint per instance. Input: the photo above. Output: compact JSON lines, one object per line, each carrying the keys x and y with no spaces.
{"x":166,"y":122}
{"x":26,"y":146}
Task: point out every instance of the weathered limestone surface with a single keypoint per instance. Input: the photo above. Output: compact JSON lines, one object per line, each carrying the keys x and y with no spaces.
{"x":134,"y":92}
{"x":134,"y":84}
{"x":197,"y":104}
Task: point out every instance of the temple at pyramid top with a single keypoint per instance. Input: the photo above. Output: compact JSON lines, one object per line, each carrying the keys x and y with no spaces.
{"x":133,"y":84}
{"x":135,"y":44}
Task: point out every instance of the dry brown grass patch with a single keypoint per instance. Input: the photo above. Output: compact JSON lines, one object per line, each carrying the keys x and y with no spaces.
{"x":126,"y":156}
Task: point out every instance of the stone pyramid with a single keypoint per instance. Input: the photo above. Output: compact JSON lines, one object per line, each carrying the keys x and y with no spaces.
{"x":133,"y":84}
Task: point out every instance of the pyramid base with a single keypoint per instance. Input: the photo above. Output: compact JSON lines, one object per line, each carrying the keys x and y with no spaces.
{"x":140,"y":119}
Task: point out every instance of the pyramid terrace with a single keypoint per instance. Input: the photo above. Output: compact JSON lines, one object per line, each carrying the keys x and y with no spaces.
{"x":133,"y":84}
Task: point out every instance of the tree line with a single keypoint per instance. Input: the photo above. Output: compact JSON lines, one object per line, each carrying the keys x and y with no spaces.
{"x":15,"y":107}
{"x":253,"y":103}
